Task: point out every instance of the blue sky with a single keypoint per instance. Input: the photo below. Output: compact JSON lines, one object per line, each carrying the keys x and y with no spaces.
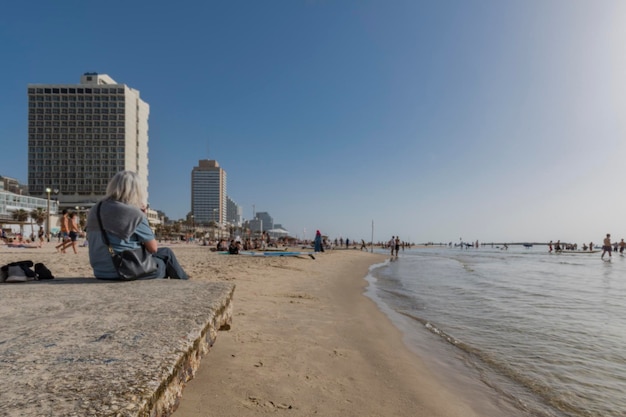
{"x":436,"y":120}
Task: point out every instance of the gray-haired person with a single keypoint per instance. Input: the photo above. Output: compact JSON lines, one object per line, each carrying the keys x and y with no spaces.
{"x":123,"y":215}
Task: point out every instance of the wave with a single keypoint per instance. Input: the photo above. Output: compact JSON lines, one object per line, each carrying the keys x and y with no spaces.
{"x":494,"y":374}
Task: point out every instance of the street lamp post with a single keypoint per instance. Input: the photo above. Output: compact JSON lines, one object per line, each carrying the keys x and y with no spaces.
{"x":48,"y":191}
{"x":214,"y":221}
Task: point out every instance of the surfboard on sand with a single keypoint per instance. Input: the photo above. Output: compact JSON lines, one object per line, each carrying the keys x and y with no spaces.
{"x":277,"y":253}
{"x":273,"y":253}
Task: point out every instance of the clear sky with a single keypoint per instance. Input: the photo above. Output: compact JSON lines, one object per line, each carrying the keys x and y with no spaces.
{"x":436,"y":120}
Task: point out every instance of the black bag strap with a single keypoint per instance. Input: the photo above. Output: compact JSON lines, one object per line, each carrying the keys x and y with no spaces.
{"x":104,"y":233}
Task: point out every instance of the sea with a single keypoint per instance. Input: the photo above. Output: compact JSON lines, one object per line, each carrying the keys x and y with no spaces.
{"x":523,"y":332}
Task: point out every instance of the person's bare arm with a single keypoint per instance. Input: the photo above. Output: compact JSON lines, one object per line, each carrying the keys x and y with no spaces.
{"x":151,"y":245}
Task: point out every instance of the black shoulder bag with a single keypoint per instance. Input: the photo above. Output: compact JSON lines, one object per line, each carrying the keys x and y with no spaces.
{"x":129,"y":264}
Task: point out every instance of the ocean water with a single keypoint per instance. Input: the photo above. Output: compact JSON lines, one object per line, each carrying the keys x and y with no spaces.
{"x":541,"y":334}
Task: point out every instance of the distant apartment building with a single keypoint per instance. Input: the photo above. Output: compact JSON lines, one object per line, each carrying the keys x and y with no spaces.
{"x":255,"y":225}
{"x":266,"y":220}
{"x":11,"y":202}
{"x":80,"y":135}
{"x":234,"y":212}
{"x":12,"y":185}
{"x":208,"y":192}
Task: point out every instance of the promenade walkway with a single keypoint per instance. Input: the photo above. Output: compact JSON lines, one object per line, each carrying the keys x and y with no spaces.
{"x":82,"y":347}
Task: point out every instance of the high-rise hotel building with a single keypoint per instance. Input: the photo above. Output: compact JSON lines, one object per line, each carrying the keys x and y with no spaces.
{"x":208,"y":192}
{"x":80,"y":135}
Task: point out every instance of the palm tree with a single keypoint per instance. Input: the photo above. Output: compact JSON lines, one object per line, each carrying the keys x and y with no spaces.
{"x":167,"y":231}
{"x":212,"y":225}
{"x":39,"y":215}
{"x":82,"y":219}
{"x":20,"y":215}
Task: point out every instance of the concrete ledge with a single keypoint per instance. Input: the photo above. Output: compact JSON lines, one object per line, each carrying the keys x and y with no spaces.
{"x":83,"y":347}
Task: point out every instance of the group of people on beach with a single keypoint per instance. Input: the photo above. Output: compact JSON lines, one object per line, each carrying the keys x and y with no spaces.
{"x":117,"y":224}
{"x":394,"y":245}
{"x":70,"y":229}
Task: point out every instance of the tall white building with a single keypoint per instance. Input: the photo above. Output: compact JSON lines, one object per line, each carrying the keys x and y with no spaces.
{"x":208,"y":192}
{"x":234,"y":212}
{"x":80,"y":135}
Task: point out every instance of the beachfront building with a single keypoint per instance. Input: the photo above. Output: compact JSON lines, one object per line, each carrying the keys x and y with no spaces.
{"x":234,"y":213}
{"x":261,"y":222}
{"x":255,"y":225}
{"x":80,"y":135}
{"x":266,"y":219}
{"x":208,"y":193}
{"x":11,"y":202}
{"x":12,"y":185}
{"x":154,"y":218}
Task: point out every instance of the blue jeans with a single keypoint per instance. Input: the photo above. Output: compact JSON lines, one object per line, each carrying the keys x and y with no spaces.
{"x":168,"y":266}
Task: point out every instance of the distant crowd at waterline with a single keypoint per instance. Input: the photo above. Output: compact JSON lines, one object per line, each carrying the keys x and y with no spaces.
{"x":607,"y":247}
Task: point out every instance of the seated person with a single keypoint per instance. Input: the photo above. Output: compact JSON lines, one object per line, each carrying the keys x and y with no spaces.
{"x":222,"y":245}
{"x":233,"y":249}
{"x":122,"y":212}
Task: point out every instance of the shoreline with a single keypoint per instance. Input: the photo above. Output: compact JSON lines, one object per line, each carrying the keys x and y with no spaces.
{"x":305,"y":337}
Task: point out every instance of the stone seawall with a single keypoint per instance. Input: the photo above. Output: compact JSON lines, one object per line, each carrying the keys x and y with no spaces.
{"x":83,"y":347}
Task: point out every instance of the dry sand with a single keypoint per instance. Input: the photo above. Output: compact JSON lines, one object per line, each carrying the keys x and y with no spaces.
{"x":304,"y":341}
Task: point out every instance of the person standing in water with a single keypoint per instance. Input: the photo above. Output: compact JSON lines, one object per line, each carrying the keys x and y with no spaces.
{"x":606,"y":246}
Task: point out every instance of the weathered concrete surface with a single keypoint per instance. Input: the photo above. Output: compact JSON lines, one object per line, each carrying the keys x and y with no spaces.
{"x":83,"y":347}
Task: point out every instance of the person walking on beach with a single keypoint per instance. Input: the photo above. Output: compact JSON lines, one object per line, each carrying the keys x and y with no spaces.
{"x":64,"y":234}
{"x":74,"y":230}
{"x":72,"y":225}
{"x":606,"y":246}
{"x":392,"y":244}
{"x":41,"y":234}
{"x":622,"y":245}
{"x":397,"y":245}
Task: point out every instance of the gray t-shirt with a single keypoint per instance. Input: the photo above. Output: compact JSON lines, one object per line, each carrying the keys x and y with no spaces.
{"x":99,"y":255}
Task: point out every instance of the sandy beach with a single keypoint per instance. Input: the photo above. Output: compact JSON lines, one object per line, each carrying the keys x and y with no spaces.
{"x":304,"y":339}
